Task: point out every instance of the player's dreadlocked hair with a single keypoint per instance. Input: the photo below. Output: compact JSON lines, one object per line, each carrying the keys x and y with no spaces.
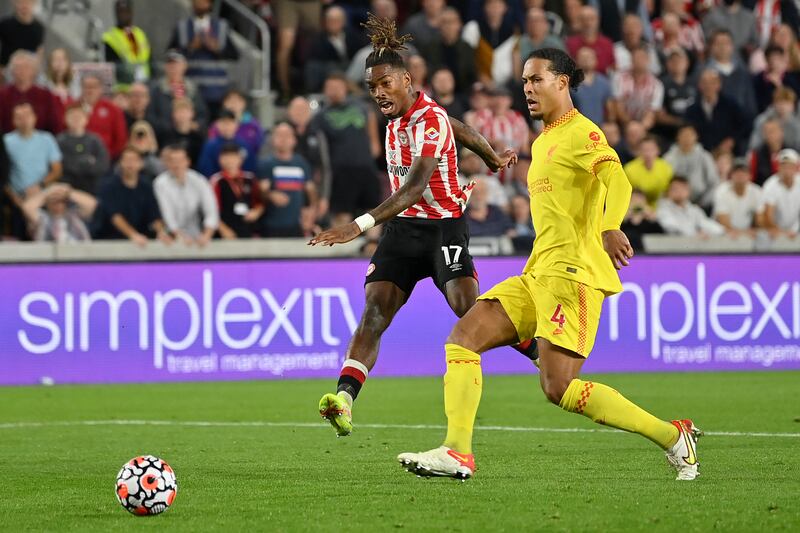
{"x":386,"y":44}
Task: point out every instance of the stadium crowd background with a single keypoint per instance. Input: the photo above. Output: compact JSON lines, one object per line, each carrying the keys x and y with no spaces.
{"x":698,"y":98}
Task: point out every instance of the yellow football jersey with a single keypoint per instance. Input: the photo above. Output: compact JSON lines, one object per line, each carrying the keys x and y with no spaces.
{"x":567,"y":203}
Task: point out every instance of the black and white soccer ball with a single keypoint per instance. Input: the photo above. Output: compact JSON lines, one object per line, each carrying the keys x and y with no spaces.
{"x":146,"y":485}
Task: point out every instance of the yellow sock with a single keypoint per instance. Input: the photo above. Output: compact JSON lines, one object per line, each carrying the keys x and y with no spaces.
{"x":463,"y":384}
{"x":606,"y":406}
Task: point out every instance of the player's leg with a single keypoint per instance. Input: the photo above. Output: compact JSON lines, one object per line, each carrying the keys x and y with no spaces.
{"x":485,"y":326}
{"x":455,"y":274}
{"x":568,"y":319}
{"x":383,"y":300}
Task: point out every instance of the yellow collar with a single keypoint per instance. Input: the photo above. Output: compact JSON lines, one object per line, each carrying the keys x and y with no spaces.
{"x":563,"y":119}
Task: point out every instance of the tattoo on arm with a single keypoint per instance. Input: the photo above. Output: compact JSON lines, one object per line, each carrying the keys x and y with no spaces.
{"x":473,"y":140}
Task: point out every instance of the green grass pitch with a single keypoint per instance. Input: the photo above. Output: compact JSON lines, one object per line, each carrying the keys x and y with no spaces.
{"x":266,"y":462}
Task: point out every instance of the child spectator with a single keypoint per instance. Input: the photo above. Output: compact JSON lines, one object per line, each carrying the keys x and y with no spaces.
{"x":226,"y":126}
{"x":286,"y":184}
{"x":61,"y":78}
{"x":85,"y":158}
{"x":238,"y":195}
{"x":249,"y":132}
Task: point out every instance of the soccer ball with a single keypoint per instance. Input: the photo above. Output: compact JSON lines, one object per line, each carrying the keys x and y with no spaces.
{"x":146,"y":485}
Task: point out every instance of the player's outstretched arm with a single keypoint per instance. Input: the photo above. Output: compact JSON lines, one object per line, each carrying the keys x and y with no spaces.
{"x":618,"y":197}
{"x":418,"y":177}
{"x":477,"y":143}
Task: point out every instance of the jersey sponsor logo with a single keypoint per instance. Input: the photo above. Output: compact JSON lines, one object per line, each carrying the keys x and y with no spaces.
{"x":540,"y":185}
{"x":594,"y":145}
{"x":399,"y":170}
{"x":594,"y":136}
{"x":403,"y":137}
{"x":370,"y":268}
{"x":432,"y":133}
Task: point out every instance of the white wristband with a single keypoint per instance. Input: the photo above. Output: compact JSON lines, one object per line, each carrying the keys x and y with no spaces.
{"x":364,"y":222}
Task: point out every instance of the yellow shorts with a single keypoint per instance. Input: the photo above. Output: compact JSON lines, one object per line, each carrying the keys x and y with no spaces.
{"x":564,"y":312}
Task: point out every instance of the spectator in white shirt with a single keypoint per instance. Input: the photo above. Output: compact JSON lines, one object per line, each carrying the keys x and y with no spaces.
{"x":737,"y":202}
{"x":678,"y":216}
{"x":186,"y":199}
{"x":780,"y":204}
{"x":688,"y":158}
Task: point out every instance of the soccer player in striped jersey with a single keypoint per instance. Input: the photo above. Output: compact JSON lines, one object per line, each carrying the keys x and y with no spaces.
{"x":425,"y":234}
{"x":579,"y":196}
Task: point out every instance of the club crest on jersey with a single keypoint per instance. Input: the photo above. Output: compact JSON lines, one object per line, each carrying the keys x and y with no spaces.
{"x":432,"y":133}
{"x":403,"y":137}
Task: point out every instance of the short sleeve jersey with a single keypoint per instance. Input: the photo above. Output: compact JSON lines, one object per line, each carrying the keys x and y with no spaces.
{"x":567,"y":203}
{"x":425,"y":131}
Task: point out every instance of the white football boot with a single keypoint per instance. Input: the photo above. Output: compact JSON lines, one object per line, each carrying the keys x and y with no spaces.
{"x":439,"y":462}
{"x":683,"y":454}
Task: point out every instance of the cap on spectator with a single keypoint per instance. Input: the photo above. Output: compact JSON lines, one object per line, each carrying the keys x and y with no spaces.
{"x":230,"y":148}
{"x":787,"y":155}
{"x":174,"y":56}
{"x":227,"y":114}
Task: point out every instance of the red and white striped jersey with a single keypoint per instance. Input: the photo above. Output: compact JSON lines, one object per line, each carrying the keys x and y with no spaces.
{"x":425,"y":131}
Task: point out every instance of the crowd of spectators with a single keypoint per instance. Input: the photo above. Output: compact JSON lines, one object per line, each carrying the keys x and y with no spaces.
{"x":698,"y":98}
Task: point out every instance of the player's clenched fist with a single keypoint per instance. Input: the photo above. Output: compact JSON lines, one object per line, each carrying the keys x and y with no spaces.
{"x":337,"y":235}
{"x":617,"y":247}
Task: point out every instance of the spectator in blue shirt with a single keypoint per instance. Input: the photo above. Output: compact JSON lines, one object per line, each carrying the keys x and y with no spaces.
{"x":287,"y":185}
{"x":226,"y":128}
{"x":35,"y":161}
{"x":593,"y":95}
{"x":34,"y":154}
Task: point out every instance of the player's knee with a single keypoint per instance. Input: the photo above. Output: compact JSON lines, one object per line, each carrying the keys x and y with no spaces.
{"x":554,"y":388}
{"x":462,"y":305}
{"x":375,"y":319}
{"x":464,"y":337}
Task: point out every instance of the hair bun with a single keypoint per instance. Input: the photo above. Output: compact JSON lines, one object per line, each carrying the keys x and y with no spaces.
{"x":576,"y":78}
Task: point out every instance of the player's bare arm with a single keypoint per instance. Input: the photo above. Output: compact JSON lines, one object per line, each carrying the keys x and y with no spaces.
{"x":419,"y":175}
{"x":615,"y":242}
{"x":477,"y":143}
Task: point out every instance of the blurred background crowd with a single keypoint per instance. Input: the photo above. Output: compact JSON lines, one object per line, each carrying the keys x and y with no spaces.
{"x":699,"y":98}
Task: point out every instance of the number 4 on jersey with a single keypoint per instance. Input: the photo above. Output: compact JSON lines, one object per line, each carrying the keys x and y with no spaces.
{"x":559,"y":318}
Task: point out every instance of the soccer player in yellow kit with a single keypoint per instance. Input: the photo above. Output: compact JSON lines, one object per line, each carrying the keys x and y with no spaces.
{"x":579,"y":196}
